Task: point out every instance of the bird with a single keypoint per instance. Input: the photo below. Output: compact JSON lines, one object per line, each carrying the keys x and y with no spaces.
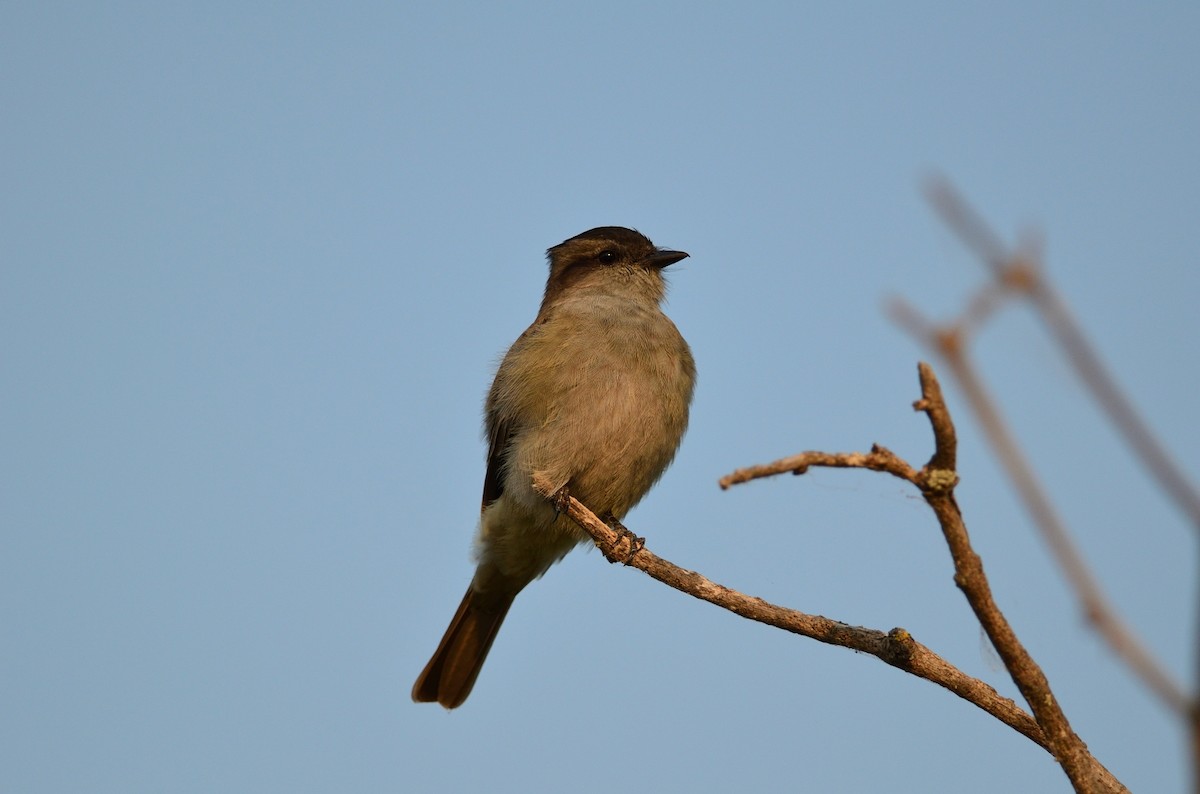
{"x":594,"y":398}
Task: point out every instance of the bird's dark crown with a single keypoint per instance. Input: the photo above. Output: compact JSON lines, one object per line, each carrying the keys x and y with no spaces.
{"x":629,"y":242}
{"x":611,"y":234}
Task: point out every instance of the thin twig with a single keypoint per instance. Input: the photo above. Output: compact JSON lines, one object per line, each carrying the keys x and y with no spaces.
{"x":879,"y":459}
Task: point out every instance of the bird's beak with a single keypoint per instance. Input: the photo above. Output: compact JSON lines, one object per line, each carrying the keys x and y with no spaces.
{"x":661,"y":258}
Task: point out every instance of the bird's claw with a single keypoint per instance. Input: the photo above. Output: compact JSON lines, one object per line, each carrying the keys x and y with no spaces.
{"x":624,"y":535}
{"x":561,"y":500}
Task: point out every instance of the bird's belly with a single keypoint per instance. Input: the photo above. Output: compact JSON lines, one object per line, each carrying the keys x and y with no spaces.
{"x":609,"y":441}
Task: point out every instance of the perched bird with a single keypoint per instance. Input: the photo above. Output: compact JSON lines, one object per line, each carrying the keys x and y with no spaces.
{"x":594,"y":395}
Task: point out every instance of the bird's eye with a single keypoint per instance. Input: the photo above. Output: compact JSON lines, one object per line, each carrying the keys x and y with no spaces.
{"x":607,"y":257}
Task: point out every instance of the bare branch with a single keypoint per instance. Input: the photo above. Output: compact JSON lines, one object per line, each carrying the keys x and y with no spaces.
{"x":937,"y":481}
{"x":879,"y":459}
{"x":897,"y":647}
{"x":945,"y":437}
{"x":1085,"y":772}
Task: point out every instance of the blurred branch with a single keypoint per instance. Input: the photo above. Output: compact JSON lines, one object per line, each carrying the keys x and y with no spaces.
{"x":1021,"y":272}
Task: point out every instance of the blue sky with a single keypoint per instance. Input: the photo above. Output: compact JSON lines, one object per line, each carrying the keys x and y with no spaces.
{"x":258,"y":263}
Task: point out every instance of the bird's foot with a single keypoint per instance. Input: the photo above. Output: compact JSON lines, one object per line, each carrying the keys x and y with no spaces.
{"x":617,"y":551}
{"x":560,"y":500}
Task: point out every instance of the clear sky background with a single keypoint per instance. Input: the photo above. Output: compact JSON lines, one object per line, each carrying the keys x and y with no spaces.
{"x":257,"y":263}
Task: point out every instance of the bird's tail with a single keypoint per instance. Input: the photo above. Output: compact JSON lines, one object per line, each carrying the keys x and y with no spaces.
{"x":456,"y":663}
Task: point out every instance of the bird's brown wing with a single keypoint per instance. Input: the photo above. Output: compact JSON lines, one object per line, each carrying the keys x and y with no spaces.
{"x":499,"y":437}
{"x":501,"y":429}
